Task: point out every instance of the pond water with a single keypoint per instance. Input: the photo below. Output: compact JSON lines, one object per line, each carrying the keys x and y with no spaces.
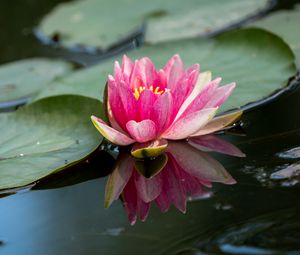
{"x":64,"y":214}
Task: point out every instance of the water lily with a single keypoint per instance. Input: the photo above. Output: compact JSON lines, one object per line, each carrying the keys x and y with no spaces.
{"x":149,"y":106}
{"x":182,"y":171}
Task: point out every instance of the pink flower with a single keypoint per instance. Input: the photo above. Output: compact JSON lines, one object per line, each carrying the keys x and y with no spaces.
{"x":145,"y":105}
{"x":185,"y":172}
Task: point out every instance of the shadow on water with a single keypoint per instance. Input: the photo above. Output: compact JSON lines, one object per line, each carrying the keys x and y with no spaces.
{"x":64,"y":214}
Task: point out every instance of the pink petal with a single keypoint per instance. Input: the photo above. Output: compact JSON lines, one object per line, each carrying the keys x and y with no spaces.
{"x":111,"y":134}
{"x":145,"y":72}
{"x":218,"y":123}
{"x":142,"y":131}
{"x":193,"y":74}
{"x":162,"y":111}
{"x":174,"y":70}
{"x":118,"y":179}
{"x":122,"y":102}
{"x":189,"y":124}
{"x":199,"y":164}
{"x":203,"y":79}
{"x":127,"y":66}
{"x":112,"y":120}
{"x":213,"y":143}
{"x":201,"y":100}
{"x":162,"y":79}
{"x":148,"y":189}
{"x":221,"y":95}
{"x":145,"y":104}
{"x":118,"y":75}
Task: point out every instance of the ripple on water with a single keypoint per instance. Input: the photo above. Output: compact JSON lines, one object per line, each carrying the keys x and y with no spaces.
{"x":113,"y":231}
{"x":293,"y":153}
{"x":275,"y":233}
{"x":286,"y":175}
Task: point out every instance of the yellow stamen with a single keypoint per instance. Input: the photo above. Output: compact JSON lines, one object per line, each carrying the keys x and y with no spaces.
{"x":138,"y":90}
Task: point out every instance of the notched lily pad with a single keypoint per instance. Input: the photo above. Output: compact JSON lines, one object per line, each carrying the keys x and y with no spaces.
{"x":46,"y":137}
{"x":22,"y":79}
{"x":93,"y":23}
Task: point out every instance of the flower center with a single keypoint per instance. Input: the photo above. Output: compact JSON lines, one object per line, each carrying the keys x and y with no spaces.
{"x":137,"y":91}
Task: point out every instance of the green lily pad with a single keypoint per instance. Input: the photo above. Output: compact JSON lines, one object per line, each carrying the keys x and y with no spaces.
{"x":286,"y":25}
{"x":187,"y":19}
{"x":87,"y":82}
{"x":258,"y":61}
{"x":103,"y":24}
{"x":45,"y":137}
{"x":25,"y":78}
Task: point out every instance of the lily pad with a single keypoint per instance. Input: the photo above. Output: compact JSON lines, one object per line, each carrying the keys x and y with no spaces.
{"x":24,"y":78}
{"x":104,"y":24}
{"x":194,"y":18}
{"x":286,"y":25}
{"x":258,"y":61}
{"x":46,"y":137}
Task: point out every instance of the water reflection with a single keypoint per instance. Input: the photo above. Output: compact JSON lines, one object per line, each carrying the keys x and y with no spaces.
{"x":178,"y":175}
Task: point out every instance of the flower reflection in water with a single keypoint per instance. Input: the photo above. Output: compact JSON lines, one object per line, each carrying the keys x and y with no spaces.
{"x":182,"y":171}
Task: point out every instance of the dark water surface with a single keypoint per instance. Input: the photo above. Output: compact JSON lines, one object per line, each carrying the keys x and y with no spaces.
{"x":258,"y":215}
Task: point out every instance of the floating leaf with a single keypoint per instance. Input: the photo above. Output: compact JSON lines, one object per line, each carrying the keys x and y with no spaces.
{"x":46,"y":137}
{"x":25,"y":78}
{"x":94,"y":23}
{"x":286,"y":25}
{"x":186,"y":19}
{"x":258,"y":61}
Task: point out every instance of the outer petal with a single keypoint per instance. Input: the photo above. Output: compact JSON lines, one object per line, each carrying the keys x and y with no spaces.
{"x":121,"y":102}
{"x":111,"y":134}
{"x":203,"y":79}
{"x":142,"y":131}
{"x":201,"y":100}
{"x":198,"y":163}
{"x":118,"y":179}
{"x":189,"y":124}
{"x":218,"y":123}
{"x":174,"y":70}
{"x":127,"y":66}
{"x":221,"y":95}
{"x":213,"y":143}
{"x":193,"y":75}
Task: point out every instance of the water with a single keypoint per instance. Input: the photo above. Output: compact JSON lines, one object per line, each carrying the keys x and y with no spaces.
{"x":64,"y":214}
